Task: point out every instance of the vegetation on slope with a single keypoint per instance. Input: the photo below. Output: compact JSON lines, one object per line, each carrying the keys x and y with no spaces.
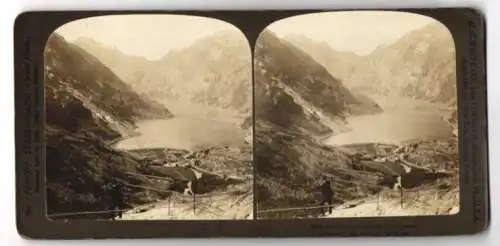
{"x":87,"y":106}
{"x":291,"y":92}
{"x":80,"y":169}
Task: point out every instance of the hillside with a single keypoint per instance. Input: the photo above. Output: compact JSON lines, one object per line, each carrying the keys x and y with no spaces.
{"x":87,"y":107}
{"x":288,"y":66}
{"x":289,"y":166}
{"x":296,"y":101}
{"x":75,"y":73}
{"x":80,"y":167}
{"x":214,"y":71}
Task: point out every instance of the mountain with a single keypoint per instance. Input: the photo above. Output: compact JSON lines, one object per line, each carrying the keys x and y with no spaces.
{"x":87,"y":108}
{"x":215,"y":70}
{"x":294,"y":87}
{"x":74,"y":74}
{"x":296,"y":101}
{"x":419,"y":65}
{"x":340,"y":64}
{"x":111,"y":57}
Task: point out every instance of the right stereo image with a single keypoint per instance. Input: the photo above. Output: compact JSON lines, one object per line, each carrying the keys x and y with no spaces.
{"x":355,"y":116}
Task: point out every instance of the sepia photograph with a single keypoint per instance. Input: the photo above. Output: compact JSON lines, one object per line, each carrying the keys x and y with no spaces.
{"x":148,"y":117}
{"x":355,"y":116}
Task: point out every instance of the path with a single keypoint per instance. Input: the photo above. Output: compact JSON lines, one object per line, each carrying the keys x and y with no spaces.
{"x":428,"y":202}
{"x":235,"y":203}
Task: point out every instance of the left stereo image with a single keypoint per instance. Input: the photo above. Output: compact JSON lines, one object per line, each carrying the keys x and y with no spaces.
{"x":148,"y":117}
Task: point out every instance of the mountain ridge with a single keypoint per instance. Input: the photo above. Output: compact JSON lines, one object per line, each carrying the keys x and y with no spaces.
{"x":419,"y":65}
{"x":214,"y":70}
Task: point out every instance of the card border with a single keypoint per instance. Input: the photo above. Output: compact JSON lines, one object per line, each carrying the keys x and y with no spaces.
{"x":467,"y":25}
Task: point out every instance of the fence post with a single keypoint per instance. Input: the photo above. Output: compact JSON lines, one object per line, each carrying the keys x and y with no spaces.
{"x":194,"y":204}
{"x":402,"y":195}
{"x":378,"y":200}
{"x":169,"y":200}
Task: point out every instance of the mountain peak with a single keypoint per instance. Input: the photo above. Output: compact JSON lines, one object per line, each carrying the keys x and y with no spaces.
{"x":87,"y":40}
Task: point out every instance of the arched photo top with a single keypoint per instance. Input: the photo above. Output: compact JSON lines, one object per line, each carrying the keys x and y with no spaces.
{"x":346,"y":42}
{"x":166,"y":56}
{"x":148,"y":35}
{"x":359,"y":31}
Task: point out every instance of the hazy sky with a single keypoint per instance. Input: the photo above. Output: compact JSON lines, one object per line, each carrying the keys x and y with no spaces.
{"x":360,"y":31}
{"x":148,"y":36}
{"x":153,"y":36}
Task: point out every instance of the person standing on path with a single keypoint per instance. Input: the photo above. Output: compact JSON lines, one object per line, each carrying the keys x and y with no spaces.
{"x":327,"y":192}
{"x":117,"y":197}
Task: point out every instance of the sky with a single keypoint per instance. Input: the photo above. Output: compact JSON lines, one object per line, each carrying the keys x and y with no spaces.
{"x":153,"y":36}
{"x":148,"y":36}
{"x":360,"y":32}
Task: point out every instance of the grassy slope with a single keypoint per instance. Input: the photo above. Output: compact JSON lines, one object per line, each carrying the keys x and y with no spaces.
{"x":79,"y":168}
{"x":290,"y":165}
